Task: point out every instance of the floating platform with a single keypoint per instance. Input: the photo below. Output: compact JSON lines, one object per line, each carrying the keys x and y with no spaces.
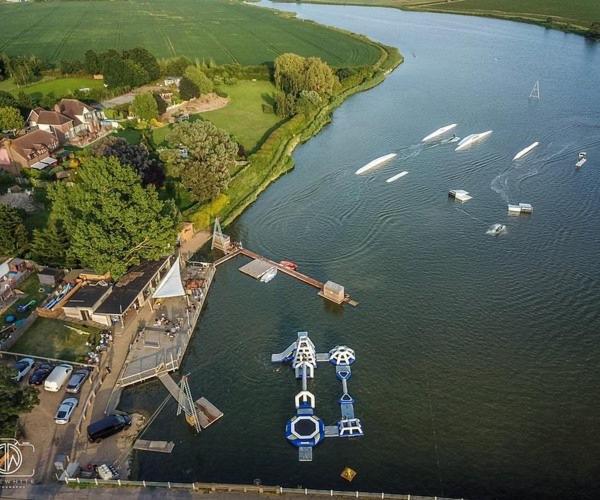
{"x":521,"y":208}
{"x":460,"y":195}
{"x":207,"y":413}
{"x":256,"y":268}
{"x":158,"y":446}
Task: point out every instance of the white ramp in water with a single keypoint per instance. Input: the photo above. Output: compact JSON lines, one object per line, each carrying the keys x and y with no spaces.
{"x":437,"y":133}
{"x":472,"y":139}
{"x":397,"y":176}
{"x":375,"y":163}
{"x":528,"y":149}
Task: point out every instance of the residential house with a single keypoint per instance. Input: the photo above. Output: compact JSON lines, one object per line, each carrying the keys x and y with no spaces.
{"x":29,"y":150}
{"x":52,"y":121}
{"x":85,"y":118}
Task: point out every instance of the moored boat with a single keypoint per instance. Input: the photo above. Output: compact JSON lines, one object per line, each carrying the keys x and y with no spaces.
{"x":525,"y":151}
{"x":375,"y":163}
{"x":288,"y":264}
{"x":437,"y":133}
{"x":472,"y":139}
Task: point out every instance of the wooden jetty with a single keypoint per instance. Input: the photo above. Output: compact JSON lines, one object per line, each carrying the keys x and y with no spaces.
{"x":158,"y":446}
{"x":254,"y":270}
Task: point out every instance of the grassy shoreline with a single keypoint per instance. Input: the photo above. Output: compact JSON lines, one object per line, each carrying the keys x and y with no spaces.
{"x":274,"y":157}
{"x":546,"y":20}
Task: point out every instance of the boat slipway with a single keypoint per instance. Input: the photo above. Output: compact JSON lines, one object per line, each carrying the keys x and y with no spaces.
{"x":375,"y":163}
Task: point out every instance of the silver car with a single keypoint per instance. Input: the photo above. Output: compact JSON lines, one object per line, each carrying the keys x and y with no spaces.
{"x":65,"y":410}
{"x":77,"y":380}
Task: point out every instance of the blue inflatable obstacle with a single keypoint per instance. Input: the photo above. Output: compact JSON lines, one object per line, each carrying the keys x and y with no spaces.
{"x":305,"y":430}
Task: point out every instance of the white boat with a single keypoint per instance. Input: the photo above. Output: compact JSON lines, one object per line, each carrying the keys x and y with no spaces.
{"x":438,"y":132}
{"x":397,"y":176}
{"x":523,"y":152}
{"x":496,"y":229}
{"x":375,"y":163}
{"x":472,"y":139}
{"x":269,"y":275}
{"x":582,"y":158}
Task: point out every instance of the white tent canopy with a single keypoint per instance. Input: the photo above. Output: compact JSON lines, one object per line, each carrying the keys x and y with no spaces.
{"x":171,"y":285}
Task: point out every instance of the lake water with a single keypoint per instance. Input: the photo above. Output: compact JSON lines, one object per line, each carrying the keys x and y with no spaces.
{"x":478,"y":357}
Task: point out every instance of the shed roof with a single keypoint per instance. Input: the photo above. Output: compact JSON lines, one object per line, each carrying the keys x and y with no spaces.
{"x":87,"y":296}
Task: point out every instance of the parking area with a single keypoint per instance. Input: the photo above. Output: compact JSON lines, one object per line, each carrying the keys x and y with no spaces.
{"x":39,"y":428}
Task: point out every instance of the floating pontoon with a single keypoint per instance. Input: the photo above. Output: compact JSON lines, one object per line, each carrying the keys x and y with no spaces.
{"x":460,"y":195}
{"x":472,"y":139}
{"x":439,"y":132}
{"x":375,"y":163}
{"x":525,"y":151}
{"x":521,"y":208}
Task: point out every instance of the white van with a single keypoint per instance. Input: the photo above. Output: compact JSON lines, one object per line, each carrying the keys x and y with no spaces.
{"x":57,"y":378}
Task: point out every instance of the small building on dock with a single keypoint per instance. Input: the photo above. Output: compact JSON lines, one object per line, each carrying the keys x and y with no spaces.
{"x":334,"y":292}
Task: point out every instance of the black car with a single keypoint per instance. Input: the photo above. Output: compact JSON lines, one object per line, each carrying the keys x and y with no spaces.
{"x":107,"y":426}
{"x":76,"y":381}
{"x":40,"y":374}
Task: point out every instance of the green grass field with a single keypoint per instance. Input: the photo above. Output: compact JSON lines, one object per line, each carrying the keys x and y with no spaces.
{"x":243,"y":117}
{"x":227,"y":31}
{"x":53,"y":339}
{"x":59,"y":86}
{"x":578,"y":12}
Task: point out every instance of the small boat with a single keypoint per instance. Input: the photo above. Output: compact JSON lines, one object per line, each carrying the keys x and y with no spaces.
{"x":582,"y":158}
{"x":472,"y":139}
{"x":496,"y":229}
{"x":397,"y":176}
{"x":288,"y":264}
{"x":269,"y":275}
{"x":375,"y":163}
{"x":523,"y":152}
{"x":438,"y":132}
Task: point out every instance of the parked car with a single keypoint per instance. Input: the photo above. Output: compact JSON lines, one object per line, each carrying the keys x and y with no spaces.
{"x":40,"y":374}
{"x":23,"y":366}
{"x":57,"y":377}
{"x":76,"y":381}
{"x":65,"y":410}
{"x":107,"y":426}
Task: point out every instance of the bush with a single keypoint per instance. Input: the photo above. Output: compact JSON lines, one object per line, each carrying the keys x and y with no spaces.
{"x":188,"y":89}
{"x":221,"y":93}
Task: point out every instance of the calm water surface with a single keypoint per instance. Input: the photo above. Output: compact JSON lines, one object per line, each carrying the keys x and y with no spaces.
{"x":478,"y":357}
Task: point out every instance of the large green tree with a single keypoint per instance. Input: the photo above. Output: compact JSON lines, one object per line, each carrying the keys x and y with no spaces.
{"x":111,"y":220}
{"x":16,"y":399}
{"x":49,"y":245}
{"x":145,"y":59}
{"x":10,"y":118}
{"x":188,"y":89}
{"x":14,"y":238}
{"x":294,"y":73}
{"x":202,"y":156}
{"x":196,"y":75}
{"x":144,"y":106}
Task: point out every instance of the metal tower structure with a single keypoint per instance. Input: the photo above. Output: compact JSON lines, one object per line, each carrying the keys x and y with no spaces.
{"x":535,"y":92}
{"x":185,"y":403}
{"x":218,"y":239}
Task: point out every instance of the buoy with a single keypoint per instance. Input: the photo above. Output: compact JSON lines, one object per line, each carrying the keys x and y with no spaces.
{"x":348,"y":474}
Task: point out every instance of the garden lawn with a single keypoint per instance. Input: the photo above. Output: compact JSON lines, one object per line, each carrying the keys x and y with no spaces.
{"x":53,"y":339}
{"x":60,"y":87}
{"x":224,"y":31}
{"x":31,"y":288}
{"x":244,"y":117}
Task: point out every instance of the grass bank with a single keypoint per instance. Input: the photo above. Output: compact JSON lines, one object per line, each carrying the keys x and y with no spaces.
{"x":60,"y":87}
{"x":274,"y":158}
{"x":575,"y":16}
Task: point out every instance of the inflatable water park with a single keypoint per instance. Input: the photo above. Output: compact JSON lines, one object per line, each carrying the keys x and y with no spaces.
{"x":306,"y":430}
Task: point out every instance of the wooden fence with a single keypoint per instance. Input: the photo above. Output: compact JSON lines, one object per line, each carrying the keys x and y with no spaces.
{"x":244,"y":488}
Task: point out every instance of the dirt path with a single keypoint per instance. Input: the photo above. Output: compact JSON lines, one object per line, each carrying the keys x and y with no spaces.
{"x":202,"y":104}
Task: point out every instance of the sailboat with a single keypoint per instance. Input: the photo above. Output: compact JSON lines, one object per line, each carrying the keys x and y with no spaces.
{"x":535,"y":91}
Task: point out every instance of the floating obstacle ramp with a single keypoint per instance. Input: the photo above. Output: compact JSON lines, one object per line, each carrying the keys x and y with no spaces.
{"x":256,"y":268}
{"x":159,"y":446}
